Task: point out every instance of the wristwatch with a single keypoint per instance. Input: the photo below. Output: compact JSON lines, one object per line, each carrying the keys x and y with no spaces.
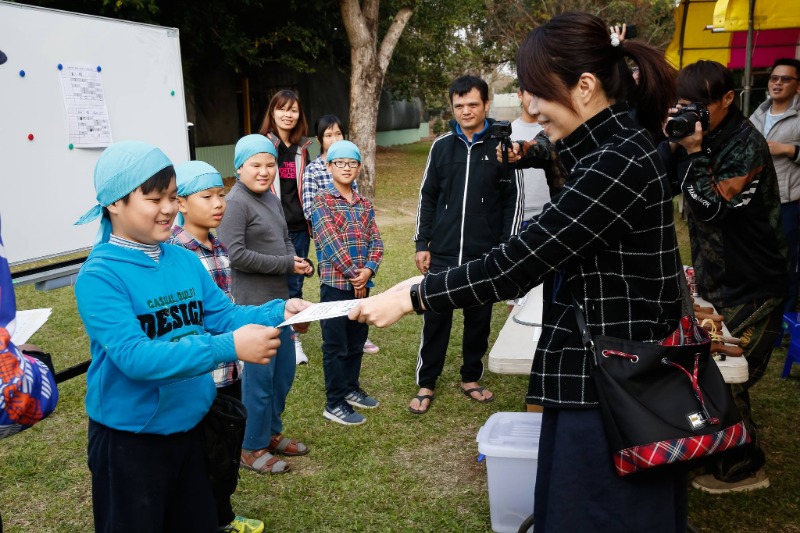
{"x":416,"y":301}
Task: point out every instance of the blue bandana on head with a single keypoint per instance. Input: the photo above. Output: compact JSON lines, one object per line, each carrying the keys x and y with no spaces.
{"x":250,"y":145}
{"x":343,"y":150}
{"x":195,"y":176}
{"x":120,"y":170}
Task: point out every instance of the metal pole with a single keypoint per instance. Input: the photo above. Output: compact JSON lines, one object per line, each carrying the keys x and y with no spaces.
{"x":748,"y":61}
{"x":684,"y":16}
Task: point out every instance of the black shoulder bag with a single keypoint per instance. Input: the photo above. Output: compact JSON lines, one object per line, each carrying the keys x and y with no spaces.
{"x":662,"y":403}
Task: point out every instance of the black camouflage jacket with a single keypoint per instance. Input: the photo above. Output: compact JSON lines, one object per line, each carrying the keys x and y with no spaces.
{"x":733,"y":200}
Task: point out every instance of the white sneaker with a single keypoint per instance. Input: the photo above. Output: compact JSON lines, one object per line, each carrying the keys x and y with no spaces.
{"x":300,"y":356}
{"x":370,"y":347}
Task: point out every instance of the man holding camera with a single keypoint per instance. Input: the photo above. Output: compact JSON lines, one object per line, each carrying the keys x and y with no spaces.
{"x":722,"y":165}
{"x":468,"y":203}
{"x":778,"y":119}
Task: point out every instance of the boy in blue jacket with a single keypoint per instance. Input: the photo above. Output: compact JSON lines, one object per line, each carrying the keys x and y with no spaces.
{"x":158,"y":326}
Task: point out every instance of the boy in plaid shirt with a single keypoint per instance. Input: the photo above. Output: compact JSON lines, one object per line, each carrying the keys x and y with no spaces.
{"x":201,"y":202}
{"x":349,"y":251}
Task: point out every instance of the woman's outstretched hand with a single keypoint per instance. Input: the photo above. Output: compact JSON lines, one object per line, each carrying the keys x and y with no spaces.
{"x":385,"y":309}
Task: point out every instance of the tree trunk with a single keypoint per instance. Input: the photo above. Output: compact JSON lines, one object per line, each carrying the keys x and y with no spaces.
{"x":365,"y":92}
{"x":368,"y":62}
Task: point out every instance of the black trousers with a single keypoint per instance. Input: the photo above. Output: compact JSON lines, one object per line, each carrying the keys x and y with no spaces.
{"x":342,"y":348}
{"x":223,"y":487}
{"x":760,"y":322}
{"x":149,"y":483}
{"x":436,"y":337}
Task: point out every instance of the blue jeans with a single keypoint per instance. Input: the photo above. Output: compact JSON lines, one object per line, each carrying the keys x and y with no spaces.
{"x":342,"y":349}
{"x":264,"y":391}
{"x":790,"y":224}
{"x":302,"y":243}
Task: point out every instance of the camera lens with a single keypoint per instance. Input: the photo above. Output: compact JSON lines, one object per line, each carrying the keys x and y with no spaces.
{"x":681,"y":126}
{"x":677,"y":128}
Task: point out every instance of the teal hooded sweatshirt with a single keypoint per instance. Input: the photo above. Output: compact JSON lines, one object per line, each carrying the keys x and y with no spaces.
{"x":156,"y":330}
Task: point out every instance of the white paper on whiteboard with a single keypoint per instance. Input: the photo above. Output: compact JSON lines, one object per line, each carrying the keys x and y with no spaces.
{"x":321,"y":312}
{"x":27,"y":323}
{"x":85,"y":101}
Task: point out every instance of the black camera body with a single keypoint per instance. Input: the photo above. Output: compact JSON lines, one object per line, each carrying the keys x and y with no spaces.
{"x":501,"y":130}
{"x":682,"y":123}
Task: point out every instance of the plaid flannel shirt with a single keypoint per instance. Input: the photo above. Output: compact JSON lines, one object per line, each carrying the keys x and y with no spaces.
{"x":607,"y":239}
{"x":218,"y":264}
{"x":316,"y":178}
{"x":346,"y":238}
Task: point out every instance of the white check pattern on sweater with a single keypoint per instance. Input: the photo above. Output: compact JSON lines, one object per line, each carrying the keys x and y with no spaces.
{"x":607,"y":238}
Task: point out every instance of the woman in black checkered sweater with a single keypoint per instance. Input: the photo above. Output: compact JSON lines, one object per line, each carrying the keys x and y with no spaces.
{"x":607,"y":239}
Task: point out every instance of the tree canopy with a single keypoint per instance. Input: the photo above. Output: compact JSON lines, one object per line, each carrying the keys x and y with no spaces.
{"x":443,"y":39}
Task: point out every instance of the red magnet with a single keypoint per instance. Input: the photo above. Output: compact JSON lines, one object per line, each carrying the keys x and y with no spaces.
{"x":30,"y":136}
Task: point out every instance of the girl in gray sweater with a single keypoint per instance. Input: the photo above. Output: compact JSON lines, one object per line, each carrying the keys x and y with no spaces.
{"x":261,"y":255}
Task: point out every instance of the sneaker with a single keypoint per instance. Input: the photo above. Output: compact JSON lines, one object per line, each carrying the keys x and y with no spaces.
{"x":241,"y":524}
{"x":299,"y":354}
{"x":359,"y":398}
{"x":370,"y":347}
{"x":344,"y":414}
{"x":708,"y":483}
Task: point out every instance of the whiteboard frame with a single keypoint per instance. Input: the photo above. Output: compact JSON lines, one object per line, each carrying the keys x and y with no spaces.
{"x":44,"y":186}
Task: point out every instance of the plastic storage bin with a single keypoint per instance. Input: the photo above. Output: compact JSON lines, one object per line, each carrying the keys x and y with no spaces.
{"x":510,"y":442}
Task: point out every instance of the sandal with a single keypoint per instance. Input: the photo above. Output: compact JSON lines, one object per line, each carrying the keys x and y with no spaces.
{"x":279,"y":444}
{"x":421,"y":398}
{"x":263,"y":462}
{"x":468,"y":394}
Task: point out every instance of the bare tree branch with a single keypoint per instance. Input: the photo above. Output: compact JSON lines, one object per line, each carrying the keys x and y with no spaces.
{"x":392,"y":36}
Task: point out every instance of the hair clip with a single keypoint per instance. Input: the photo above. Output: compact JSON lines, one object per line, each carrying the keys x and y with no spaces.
{"x":615,"y":40}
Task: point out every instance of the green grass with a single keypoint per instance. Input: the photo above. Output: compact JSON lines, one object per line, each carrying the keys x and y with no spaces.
{"x":398,"y":472}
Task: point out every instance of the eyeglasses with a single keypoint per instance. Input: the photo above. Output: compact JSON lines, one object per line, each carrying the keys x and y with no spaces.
{"x":783,"y":79}
{"x":344,"y":164}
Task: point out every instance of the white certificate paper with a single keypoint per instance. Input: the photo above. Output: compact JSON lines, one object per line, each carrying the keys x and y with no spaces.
{"x":27,"y":323}
{"x":321,"y":311}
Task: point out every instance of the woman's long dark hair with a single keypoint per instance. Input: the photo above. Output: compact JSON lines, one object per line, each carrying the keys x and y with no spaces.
{"x":553,"y":56}
{"x":279,"y":101}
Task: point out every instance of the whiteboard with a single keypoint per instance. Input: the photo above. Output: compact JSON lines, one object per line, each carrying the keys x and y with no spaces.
{"x":44,"y":185}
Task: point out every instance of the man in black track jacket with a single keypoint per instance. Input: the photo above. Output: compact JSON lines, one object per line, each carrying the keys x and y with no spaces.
{"x":468,"y":203}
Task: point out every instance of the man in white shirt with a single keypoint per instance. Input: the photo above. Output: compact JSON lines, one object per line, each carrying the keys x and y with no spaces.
{"x":535,"y":189}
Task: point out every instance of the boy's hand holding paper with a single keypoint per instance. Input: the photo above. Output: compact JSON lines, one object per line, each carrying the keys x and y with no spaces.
{"x":294,"y":306}
{"x":256,"y":344}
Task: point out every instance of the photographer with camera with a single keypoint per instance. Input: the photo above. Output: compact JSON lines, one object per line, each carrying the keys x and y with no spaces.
{"x":468,"y":204}
{"x":722,"y":165}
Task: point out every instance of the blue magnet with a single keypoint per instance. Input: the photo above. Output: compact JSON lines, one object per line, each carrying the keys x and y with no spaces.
{"x":60,"y":66}
{"x":98,"y":68}
{"x":21,"y":73}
